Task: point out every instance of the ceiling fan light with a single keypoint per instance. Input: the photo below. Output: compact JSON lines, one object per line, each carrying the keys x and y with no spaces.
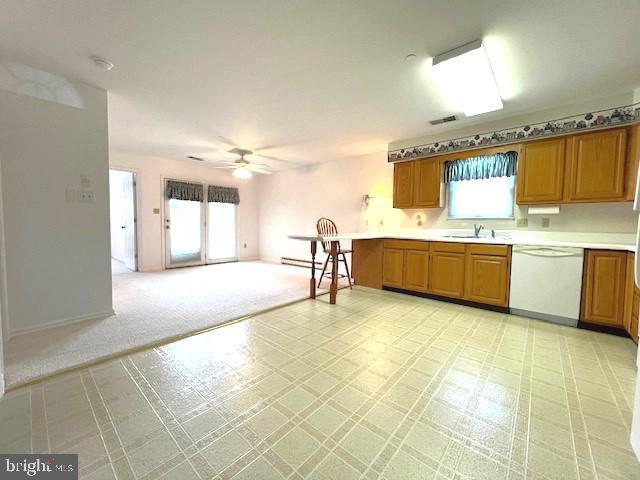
{"x":242,"y":173}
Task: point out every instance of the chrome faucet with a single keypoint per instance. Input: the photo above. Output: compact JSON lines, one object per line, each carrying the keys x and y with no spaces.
{"x":476,"y":229}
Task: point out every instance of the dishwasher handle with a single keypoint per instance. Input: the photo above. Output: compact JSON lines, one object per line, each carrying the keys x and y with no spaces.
{"x":548,"y":251}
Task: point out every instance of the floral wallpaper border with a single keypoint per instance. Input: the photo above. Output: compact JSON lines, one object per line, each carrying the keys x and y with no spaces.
{"x":584,"y":121}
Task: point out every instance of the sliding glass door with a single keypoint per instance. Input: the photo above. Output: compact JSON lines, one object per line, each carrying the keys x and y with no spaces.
{"x":198,"y":231}
{"x":221,"y":232}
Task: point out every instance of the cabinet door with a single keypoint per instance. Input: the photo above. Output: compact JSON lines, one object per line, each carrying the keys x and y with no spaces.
{"x":633,"y":328}
{"x":541,"y":172}
{"x":596,"y":166}
{"x":416,"y":270}
{"x":629,"y":293}
{"x":426,"y":187}
{"x":633,"y":161}
{"x":403,"y":185}
{"x":393,"y":268}
{"x":366,"y":262}
{"x":603,"y":290}
{"x":446,"y":276}
{"x":488,"y":279}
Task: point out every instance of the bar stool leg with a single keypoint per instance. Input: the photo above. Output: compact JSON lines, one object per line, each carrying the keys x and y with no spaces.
{"x":333,"y":291}
{"x":312,"y":283}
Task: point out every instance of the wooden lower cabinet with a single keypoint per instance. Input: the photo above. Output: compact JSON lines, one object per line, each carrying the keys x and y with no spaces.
{"x":366,"y":263}
{"x":475,"y":272}
{"x":631,"y":300}
{"x":488,"y":279}
{"x":603,"y":290}
{"x":416,"y":270}
{"x":393,"y":267}
{"x":447,"y":274}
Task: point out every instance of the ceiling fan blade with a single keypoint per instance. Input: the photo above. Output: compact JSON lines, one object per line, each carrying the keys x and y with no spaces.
{"x":256,"y":166}
{"x":271,"y":157}
{"x":224,"y":166}
{"x":228,"y":141}
{"x":253,"y":168}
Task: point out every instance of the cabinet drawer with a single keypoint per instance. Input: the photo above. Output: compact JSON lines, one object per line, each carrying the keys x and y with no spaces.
{"x":447,"y":247}
{"x":484,"y":249}
{"x":407,"y":244}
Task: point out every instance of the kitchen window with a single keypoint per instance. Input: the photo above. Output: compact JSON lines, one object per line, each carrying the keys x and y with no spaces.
{"x":485,"y":198}
{"x":481,"y":187}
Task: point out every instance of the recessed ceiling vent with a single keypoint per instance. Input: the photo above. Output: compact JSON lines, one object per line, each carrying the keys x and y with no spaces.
{"x":199,"y":159}
{"x":450,"y":118}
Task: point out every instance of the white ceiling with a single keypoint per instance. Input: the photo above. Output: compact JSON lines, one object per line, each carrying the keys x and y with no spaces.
{"x":312,"y":81}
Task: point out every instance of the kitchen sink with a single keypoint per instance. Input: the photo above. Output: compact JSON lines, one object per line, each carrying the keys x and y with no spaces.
{"x":463,"y":236}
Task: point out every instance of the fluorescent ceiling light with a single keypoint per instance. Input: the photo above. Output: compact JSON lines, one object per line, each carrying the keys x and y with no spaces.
{"x":242,"y":173}
{"x":464,"y":74}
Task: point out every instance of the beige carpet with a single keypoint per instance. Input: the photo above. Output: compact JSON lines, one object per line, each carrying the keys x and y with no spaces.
{"x":155,"y":307}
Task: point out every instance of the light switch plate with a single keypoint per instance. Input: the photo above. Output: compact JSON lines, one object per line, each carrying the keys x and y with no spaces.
{"x":546,"y":222}
{"x":156,"y":211}
{"x":522,"y":222}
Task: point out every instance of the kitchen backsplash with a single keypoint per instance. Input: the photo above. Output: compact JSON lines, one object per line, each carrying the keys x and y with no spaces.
{"x":591,"y":218}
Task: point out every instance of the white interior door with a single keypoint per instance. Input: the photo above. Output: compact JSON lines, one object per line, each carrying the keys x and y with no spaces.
{"x":129,"y":220}
{"x":222,"y":237}
{"x":122,"y":198}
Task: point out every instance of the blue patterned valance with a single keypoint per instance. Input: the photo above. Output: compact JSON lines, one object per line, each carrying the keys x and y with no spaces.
{"x":223,"y":194}
{"x":193,"y":192}
{"x":475,"y":168}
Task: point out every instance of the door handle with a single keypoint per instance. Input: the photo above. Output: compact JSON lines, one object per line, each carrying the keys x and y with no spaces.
{"x":123,"y":226}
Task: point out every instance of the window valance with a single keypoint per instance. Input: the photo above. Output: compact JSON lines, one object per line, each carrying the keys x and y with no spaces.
{"x":476,"y":168}
{"x":223,"y":194}
{"x":193,"y":192}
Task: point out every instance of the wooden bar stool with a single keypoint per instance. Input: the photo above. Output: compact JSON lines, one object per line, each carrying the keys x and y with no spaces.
{"x":326,"y":227}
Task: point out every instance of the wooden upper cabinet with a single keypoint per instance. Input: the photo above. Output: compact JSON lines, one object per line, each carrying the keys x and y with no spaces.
{"x":446,"y":275}
{"x":427,"y":181}
{"x":633,"y":160}
{"x":603,"y":291}
{"x":416,"y":270}
{"x":596,"y":165}
{"x":487,"y":279}
{"x":540,"y":176}
{"x":393,"y":267}
{"x":403,"y":175}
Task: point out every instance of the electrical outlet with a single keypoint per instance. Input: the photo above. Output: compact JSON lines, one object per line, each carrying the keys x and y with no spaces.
{"x":546,"y":222}
{"x":522,"y":222}
{"x":86,"y":196}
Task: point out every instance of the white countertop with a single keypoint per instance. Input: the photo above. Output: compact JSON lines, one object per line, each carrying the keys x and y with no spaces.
{"x":623,"y":241}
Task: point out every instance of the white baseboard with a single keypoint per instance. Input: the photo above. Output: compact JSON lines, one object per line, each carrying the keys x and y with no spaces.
{"x":60,"y":323}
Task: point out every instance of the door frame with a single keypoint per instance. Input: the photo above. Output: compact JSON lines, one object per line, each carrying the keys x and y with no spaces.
{"x":166,"y":246}
{"x":136,"y":223}
{"x":163,"y":238}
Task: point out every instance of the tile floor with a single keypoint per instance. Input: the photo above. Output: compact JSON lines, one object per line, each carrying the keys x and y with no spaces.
{"x":382,"y":385}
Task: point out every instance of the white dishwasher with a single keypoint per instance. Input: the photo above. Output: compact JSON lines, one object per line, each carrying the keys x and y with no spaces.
{"x":546,"y":283}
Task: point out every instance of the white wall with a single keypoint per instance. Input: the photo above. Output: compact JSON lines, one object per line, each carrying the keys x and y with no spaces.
{"x":150,"y":172}
{"x":291,"y":201}
{"x":57,"y":251}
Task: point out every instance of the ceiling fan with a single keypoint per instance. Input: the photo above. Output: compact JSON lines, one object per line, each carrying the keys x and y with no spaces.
{"x":243,"y":168}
